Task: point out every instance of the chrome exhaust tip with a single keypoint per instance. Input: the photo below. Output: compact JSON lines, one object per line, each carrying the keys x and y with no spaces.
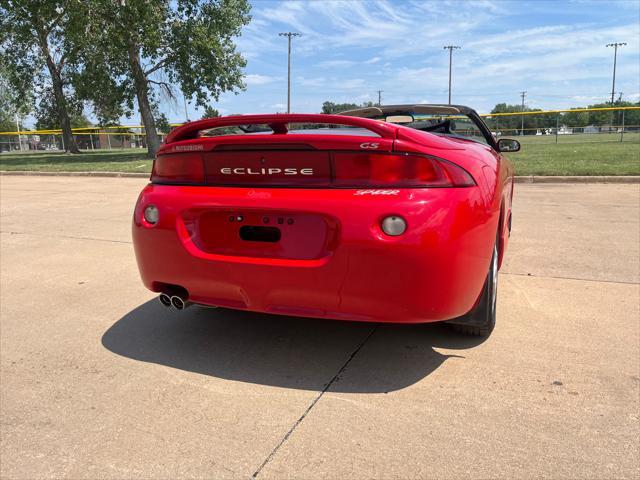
{"x":165,"y":299}
{"x":179,"y":303}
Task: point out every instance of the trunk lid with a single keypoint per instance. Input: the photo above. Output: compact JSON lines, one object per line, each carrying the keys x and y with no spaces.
{"x":268,"y":168}
{"x":287,"y":162}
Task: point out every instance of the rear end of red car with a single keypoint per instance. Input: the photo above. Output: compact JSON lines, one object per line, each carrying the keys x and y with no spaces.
{"x":368,"y":222}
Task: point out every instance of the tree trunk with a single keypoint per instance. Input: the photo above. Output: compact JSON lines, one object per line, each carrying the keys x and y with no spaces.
{"x":70,"y":144}
{"x":142,"y":94}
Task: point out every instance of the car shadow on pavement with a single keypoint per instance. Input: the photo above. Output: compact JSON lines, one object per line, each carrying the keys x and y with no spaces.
{"x":288,"y":352}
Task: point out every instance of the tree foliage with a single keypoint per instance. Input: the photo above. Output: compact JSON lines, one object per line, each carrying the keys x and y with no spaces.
{"x":331,"y":108}
{"x":573,"y":119}
{"x":14,"y":105}
{"x":515,"y":122}
{"x":631,"y":117}
{"x":138,"y":50}
{"x":210,"y":112}
{"x":162,"y":122}
{"x":46,"y":112}
{"x":36,"y":53}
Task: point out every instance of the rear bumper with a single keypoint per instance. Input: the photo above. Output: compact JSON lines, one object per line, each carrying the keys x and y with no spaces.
{"x":434,"y":271}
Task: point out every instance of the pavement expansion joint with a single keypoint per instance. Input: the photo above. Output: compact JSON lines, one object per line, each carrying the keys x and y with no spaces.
{"x":72,"y":237}
{"x":326,"y":388}
{"x":580,"y":279}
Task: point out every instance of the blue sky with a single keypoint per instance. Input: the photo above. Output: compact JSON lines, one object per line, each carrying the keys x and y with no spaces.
{"x":350,"y":49}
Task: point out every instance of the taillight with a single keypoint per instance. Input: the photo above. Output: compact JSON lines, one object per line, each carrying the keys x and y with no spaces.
{"x":397,"y":170}
{"x":178,"y":168}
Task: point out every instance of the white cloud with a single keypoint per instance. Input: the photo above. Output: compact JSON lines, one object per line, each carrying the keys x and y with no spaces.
{"x":350,"y":83}
{"x":336,"y":63}
{"x":363,"y":98}
{"x":350,"y":49}
{"x":312,"y":82}
{"x":257,"y":79}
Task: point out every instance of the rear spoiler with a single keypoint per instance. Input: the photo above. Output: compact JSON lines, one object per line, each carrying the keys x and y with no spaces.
{"x":278,"y":123}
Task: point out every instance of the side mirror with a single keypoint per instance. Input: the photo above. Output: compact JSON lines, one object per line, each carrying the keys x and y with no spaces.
{"x":508,"y":145}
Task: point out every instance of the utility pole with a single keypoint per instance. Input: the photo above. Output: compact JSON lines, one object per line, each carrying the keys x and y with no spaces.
{"x":522,"y":94}
{"x":615,"y":59}
{"x":289,"y":35}
{"x":451,"y":48}
{"x":380,"y":97}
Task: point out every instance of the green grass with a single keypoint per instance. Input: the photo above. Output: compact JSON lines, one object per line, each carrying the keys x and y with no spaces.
{"x":540,"y":155}
{"x":120,"y":160}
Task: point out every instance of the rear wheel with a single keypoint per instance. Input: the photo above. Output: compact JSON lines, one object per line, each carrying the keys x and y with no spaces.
{"x":482,"y":319}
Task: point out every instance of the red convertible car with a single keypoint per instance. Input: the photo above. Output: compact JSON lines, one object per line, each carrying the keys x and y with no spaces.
{"x":385,"y":214}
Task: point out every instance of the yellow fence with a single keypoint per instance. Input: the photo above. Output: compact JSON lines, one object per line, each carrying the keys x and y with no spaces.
{"x":108,"y":130}
{"x":127,"y":136}
{"x":547,"y":112}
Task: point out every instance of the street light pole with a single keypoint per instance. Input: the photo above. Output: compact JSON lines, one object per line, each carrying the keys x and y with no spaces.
{"x":615,"y":58}
{"x":522,"y":94}
{"x":289,"y":35}
{"x":18,"y":130}
{"x":450,"y":48}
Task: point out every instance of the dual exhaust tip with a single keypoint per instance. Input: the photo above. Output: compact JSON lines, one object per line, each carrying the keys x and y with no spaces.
{"x":173,"y":301}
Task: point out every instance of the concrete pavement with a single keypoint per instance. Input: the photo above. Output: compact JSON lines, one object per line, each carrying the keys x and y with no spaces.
{"x":97,"y":380}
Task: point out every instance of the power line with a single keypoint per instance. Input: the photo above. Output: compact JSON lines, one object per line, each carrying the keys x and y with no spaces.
{"x":380,"y":97}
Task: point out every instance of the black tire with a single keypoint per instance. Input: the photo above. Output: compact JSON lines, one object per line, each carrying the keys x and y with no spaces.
{"x":481,"y":321}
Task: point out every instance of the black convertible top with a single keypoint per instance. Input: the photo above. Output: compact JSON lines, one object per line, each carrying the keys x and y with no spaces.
{"x":425,"y":109}
{"x":387,"y":110}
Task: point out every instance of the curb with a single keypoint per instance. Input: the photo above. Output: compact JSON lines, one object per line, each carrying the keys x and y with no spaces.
{"x":578,"y":179}
{"x":75,"y":174}
{"x":519,"y":179}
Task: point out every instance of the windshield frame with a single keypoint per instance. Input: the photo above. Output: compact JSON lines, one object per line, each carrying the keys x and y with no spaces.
{"x":380,"y":113}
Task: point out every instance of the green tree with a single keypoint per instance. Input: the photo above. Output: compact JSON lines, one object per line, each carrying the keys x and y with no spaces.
{"x":331,"y":108}
{"x":575,"y":119}
{"x":505,"y":108}
{"x":140,"y":49}
{"x":547,"y":120}
{"x":7,"y":124}
{"x":13,"y":106}
{"x":34,"y":50}
{"x":46,"y":113}
{"x":600,"y":118}
{"x":162,"y":123}
{"x":614,"y":117}
{"x":631,"y":117}
{"x":511,"y":124}
{"x":210,"y":112}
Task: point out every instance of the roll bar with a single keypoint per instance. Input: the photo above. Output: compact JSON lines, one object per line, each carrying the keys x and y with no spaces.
{"x":278,"y":123}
